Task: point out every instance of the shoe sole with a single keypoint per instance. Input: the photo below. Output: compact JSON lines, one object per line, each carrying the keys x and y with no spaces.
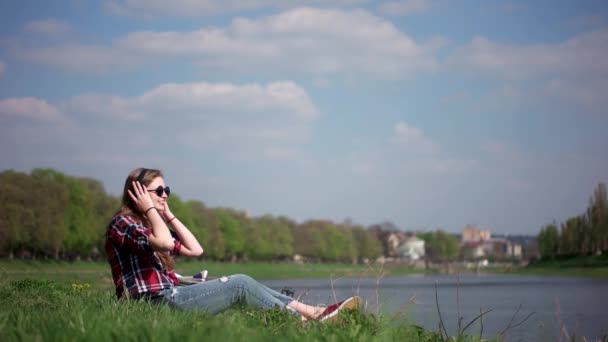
{"x":350,"y":304}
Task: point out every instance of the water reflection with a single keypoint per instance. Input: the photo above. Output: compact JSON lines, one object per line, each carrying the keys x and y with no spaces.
{"x":577,"y":303}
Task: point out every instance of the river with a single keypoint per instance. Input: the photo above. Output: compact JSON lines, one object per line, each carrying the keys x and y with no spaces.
{"x":560,"y":307}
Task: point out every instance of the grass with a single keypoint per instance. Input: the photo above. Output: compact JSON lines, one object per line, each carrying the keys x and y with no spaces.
{"x":98,"y":273}
{"x":588,"y":266}
{"x":50,"y":301}
{"x":581,"y":272}
{"x":43,"y":310}
{"x":59,"y":301}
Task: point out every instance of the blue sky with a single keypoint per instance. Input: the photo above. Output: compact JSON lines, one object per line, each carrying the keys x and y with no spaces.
{"x":427,"y":113}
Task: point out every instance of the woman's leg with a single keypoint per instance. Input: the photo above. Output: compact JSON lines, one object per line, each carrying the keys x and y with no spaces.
{"x":305,"y":310}
{"x":308,"y":311}
{"x":217,"y":295}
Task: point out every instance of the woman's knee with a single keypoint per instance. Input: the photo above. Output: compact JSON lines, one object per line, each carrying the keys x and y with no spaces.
{"x":243,"y":279}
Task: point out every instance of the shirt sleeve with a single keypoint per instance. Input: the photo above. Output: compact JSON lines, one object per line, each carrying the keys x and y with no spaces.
{"x":126,"y":232}
{"x":178,"y":244}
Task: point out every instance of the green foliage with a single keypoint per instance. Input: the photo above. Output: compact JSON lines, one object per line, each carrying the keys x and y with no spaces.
{"x":585,"y":234}
{"x":230,"y":227}
{"x":548,"y":242}
{"x":47,"y":214}
{"x":440,"y":246}
{"x":267,"y":238}
{"x":47,"y":311}
{"x":367,"y":245}
{"x":211,"y":236}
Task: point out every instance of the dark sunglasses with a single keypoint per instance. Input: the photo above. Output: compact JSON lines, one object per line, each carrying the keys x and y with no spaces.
{"x":160,"y":189}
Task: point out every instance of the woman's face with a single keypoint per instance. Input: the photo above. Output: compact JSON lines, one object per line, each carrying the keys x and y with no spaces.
{"x":159,"y":201}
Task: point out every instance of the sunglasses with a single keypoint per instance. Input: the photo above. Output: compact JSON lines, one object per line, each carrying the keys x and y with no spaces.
{"x":159,"y":191}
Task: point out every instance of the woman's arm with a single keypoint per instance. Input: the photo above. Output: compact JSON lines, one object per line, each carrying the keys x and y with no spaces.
{"x":160,"y":239}
{"x":190,"y":245}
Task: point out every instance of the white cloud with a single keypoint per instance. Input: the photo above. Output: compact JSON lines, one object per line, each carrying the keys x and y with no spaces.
{"x":214,"y":114}
{"x":413,"y":138}
{"x":318,"y":42}
{"x":78,"y":57}
{"x":552,"y":95}
{"x":108,"y":106}
{"x":581,"y":56}
{"x":203,"y":100}
{"x":201,"y":8}
{"x":405,"y":7}
{"x":51,"y":27}
{"x":30,"y":108}
{"x":570,"y":75}
{"x":588,"y":94}
{"x":195,"y":125}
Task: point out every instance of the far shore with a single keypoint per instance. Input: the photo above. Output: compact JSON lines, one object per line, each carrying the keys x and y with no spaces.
{"x":98,"y":273}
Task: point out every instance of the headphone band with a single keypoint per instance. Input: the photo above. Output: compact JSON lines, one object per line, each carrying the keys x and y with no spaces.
{"x":140,"y":178}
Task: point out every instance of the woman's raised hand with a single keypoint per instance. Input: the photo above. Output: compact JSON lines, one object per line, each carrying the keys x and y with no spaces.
{"x":141,"y":197}
{"x":167,"y":214}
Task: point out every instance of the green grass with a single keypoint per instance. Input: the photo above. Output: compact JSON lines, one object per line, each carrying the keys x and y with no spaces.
{"x":98,"y":273}
{"x":601,"y":272}
{"x":588,"y":266}
{"x":43,"y":310}
{"x":60,"y":301}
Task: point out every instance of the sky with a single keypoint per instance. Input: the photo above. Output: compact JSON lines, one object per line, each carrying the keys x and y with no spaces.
{"x":431,"y":114}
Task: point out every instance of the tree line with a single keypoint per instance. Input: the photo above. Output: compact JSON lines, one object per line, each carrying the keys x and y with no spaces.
{"x":47,"y":214}
{"x":584,"y":234}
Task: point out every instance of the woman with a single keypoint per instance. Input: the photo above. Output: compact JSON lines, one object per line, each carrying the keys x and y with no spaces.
{"x":140,"y":246}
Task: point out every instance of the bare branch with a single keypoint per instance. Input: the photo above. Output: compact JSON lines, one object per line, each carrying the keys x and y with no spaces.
{"x":511,"y":325}
{"x":476,"y":318}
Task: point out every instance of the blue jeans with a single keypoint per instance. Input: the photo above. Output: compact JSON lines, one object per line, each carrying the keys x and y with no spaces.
{"x":217,"y":295}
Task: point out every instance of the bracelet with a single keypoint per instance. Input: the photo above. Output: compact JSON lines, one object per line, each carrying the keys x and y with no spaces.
{"x":146,"y":212}
{"x":171,"y":219}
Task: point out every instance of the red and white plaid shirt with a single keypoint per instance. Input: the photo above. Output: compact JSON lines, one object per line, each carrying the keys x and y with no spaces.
{"x":136,"y":269}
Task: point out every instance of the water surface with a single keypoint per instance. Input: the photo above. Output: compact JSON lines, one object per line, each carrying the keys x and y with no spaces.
{"x":559,"y":305}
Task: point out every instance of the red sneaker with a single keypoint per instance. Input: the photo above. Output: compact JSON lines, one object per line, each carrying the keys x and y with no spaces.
{"x":331,"y":312}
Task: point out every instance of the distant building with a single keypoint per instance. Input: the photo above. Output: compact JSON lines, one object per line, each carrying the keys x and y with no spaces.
{"x":477,"y":244}
{"x":412,"y":248}
{"x":470,"y":233}
{"x":399,"y":245}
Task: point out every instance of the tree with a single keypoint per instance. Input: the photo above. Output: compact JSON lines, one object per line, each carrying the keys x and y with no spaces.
{"x":440,"y":246}
{"x":233,"y":237}
{"x":211,"y":237}
{"x":597,"y":214}
{"x":548,"y":241}
{"x":367,"y":245}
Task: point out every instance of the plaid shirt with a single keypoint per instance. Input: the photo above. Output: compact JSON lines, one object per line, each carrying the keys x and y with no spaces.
{"x":136,"y":269}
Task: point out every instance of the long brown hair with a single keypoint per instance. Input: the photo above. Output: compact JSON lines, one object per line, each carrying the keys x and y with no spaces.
{"x":128,"y":207}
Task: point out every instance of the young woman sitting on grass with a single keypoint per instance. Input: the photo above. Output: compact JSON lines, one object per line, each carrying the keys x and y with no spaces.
{"x":140,"y":246}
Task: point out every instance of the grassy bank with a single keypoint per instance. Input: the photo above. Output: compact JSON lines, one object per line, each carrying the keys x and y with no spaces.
{"x":590,"y":266}
{"x":42,"y":310}
{"x":51,"y":301}
{"x":98,"y":273}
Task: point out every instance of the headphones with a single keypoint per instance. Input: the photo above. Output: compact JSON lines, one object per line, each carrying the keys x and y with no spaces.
{"x":140,"y":178}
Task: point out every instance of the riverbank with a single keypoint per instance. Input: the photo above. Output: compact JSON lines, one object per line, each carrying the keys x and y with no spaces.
{"x":588,"y":266}
{"x":41,"y":310}
{"x":98,"y":273}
